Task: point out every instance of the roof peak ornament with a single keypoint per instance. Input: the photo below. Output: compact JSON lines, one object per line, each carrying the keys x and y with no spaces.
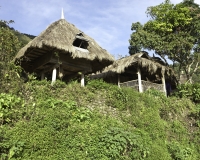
{"x":62,"y":14}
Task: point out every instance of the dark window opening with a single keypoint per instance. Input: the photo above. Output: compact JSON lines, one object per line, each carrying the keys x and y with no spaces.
{"x":80,"y":43}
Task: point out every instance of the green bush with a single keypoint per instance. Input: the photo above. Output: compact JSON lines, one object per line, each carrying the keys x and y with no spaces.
{"x":118,"y":143}
{"x":179,"y":152}
{"x":49,"y":118}
{"x":191,"y":91}
{"x":11,"y":108}
{"x":159,"y":151}
{"x":99,"y":121}
{"x":98,"y":84}
{"x":122,"y":98}
{"x":54,"y":116}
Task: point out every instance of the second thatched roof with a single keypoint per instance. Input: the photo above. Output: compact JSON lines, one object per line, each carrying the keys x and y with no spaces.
{"x":142,"y":60}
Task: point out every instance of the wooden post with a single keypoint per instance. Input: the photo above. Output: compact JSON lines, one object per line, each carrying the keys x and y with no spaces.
{"x":53,"y":76}
{"x":82,"y":80}
{"x":139,"y":81}
{"x":61,"y":72}
{"x":164,"y":85}
{"x":42,"y":76}
{"x":118,"y":80}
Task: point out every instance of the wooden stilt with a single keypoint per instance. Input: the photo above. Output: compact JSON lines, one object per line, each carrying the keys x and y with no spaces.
{"x":61,"y":72}
{"x":164,"y":84}
{"x":82,"y":80}
{"x":118,"y":80}
{"x":139,"y":81}
{"x":42,"y":76}
{"x":53,"y":76}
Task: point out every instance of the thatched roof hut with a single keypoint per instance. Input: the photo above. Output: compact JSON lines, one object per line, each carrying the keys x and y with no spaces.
{"x":152,"y":69}
{"x":149,"y":65}
{"x":63,"y":46}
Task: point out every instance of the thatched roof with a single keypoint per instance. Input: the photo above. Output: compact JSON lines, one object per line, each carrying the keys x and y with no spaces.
{"x":141,"y":60}
{"x":59,"y":36}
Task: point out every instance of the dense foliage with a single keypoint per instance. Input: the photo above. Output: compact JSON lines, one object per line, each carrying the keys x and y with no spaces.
{"x":172,"y":32}
{"x":191,"y":91}
{"x":99,"y":121}
{"x":9,"y":44}
{"x":23,"y":38}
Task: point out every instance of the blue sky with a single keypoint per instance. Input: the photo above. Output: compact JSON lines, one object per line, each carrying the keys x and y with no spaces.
{"x":107,"y":21}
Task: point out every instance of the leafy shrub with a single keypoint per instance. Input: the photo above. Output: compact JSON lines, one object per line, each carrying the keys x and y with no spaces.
{"x":4,"y":145}
{"x":10,"y":79}
{"x":59,"y":84}
{"x":191,"y":91}
{"x":122,"y":98}
{"x":98,"y":84}
{"x":48,"y":125}
{"x":179,"y":152}
{"x":158,"y":151}
{"x":76,"y":113}
{"x":35,"y":90}
{"x":57,"y":124}
{"x":196,"y":113}
{"x":10,"y":108}
{"x":154,"y":92}
{"x":119,"y":143}
{"x":16,"y":150}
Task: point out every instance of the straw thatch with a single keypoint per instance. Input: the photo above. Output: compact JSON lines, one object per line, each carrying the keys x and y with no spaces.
{"x":59,"y":37}
{"x":151,"y":65}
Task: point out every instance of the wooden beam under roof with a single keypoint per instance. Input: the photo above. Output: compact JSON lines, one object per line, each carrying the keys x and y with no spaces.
{"x":30,"y":50}
{"x":68,"y":63}
{"x":40,"y":61}
{"x":130,"y":72}
{"x":73,"y":66}
{"x":36,"y":52}
{"x":66,"y":60}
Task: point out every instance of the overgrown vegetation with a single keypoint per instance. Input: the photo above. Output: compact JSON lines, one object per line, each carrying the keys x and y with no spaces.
{"x":23,"y":38}
{"x":191,"y":91}
{"x":99,"y":121}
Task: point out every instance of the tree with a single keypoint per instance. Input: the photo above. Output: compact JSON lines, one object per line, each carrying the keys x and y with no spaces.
{"x":9,"y":45}
{"x":172,"y":32}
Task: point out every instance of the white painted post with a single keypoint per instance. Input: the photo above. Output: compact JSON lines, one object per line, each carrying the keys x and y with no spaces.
{"x":164,"y":85}
{"x":82,"y":80}
{"x":118,"y":80}
{"x":53,"y":76}
{"x":139,"y":81}
{"x":42,"y":76}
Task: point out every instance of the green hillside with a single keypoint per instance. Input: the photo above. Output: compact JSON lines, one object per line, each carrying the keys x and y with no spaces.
{"x":23,"y":38}
{"x":99,"y":121}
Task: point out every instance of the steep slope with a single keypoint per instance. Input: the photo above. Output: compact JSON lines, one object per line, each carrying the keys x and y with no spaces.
{"x":23,"y":38}
{"x":99,"y":121}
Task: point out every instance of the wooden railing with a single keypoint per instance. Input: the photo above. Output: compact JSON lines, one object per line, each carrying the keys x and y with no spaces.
{"x":145,"y":85}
